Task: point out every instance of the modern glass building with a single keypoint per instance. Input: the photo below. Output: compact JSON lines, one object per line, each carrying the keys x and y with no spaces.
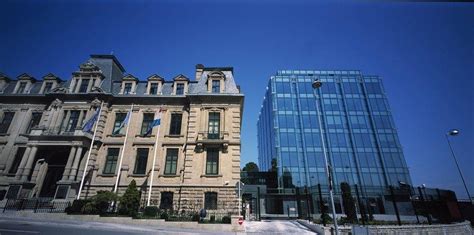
{"x":360,"y":137}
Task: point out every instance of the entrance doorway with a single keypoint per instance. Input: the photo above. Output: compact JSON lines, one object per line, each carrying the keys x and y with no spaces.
{"x":56,"y":158}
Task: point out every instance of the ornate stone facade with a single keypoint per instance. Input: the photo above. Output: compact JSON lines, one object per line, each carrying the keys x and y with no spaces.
{"x":44,"y":147}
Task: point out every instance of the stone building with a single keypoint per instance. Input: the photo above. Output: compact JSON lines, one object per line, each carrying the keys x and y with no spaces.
{"x":44,"y":148}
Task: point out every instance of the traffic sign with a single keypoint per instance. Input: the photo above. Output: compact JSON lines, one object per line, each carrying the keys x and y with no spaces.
{"x":241,"y":220}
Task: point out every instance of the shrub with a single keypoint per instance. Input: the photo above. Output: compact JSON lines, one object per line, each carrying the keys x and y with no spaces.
{"x":89,"y":209}
{"x":325,"y":218}
{"x":226,"y":219}
{"x":151,"y":211}
{"x":130,"y":201}
{"x":102,"y":200}
{"x":213,"y":218}
{"x":77,"y":205}
{"x":164,"y":215}
{"x":195,"y":216}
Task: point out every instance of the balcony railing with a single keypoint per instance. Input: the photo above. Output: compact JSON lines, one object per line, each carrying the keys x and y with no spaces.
{"x":54,"y":131}
{"x":207,"y":135}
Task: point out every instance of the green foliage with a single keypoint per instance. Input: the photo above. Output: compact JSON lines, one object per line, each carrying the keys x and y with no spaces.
{"x":348,"y":202}
{"x":89,"y":209}
{"x":76,"y":207}
{"x":325,"y":218}
{"x":226,"y":219}
{"x":101,"y":201}
{"x":250,"y":167}
{"x":195,"y":216}
{"x":151,"y":211}
{"x":130,"y":201}
{"x":164,"y":215}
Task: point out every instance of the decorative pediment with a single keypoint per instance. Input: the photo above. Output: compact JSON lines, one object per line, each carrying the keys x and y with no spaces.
{"x":88,"y":68}
{"x":129,"y":77}
{"x":59,"y":90}
{"x":181,"y":77}
{"x":4,"y":77}
{"x":51,"y":76}
{"x":25,"y":76}
{"x":155,"y":77}
{"x":216,"y":75}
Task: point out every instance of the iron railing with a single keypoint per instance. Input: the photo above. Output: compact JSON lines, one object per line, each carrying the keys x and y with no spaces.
{"x":37,"y":205}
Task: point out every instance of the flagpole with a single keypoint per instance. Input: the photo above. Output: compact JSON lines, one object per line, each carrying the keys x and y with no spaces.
{"x":154,"y":161}
{"x":119,"y":170}
{"x":89,"y":153}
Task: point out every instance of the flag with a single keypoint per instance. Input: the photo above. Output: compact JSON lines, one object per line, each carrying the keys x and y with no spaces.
{"x":155,"y":122}
{"x":124,"y":122}
{"x":90,"y":123}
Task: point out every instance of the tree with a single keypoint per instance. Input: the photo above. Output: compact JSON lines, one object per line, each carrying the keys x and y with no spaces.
{"x":348,"y":202}
{"x":130,"y":201}
{"x":250,"y":167}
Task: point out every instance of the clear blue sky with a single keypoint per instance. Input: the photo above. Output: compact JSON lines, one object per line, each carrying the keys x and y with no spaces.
{"x":424,"y":52}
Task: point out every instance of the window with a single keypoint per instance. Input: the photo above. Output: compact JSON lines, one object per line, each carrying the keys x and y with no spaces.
{"x":6,"y":121}
{"x":146,"y":123}
{"x":179,"y":89}
{"x":166,"y":202}
{"x":84,"y":85}
{"x":21,"y":88}
{"x":47,"y":87}
{"x":141,"y":160}
{"x":127,"y":89}
{"x":17,"y":160}
{"x":210,"y":201}
{"x":73,"y":120}
{"x":111,"y":160}
{"x":153,"y":88}
{"x":119,"y":118}
{"x":175,"y":128}
{"x":171,"y":161}
{"x":214,"y":125}
{"x":212,"y":161}
{"x":216,"y":86}
{"x":35,"y":120}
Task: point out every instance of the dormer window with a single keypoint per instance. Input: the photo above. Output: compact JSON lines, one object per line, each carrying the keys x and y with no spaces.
{"x":22,"y":88}
{"x":47,"y":87}
{"x":216,"y":86}
{"x":84,"y":85}
{"x":153,"y":88}
{"x":215,"y":82}
{"x":127,"y":89}
{"x":179,"y":88}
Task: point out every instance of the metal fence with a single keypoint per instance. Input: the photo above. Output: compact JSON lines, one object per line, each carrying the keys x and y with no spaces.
{"x":37,"y":205}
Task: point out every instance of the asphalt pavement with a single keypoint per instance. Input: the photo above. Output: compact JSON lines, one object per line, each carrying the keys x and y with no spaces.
{"x":24,"y":225}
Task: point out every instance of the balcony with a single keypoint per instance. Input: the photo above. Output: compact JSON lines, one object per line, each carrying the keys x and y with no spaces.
{"x":42,"y":132}
{"x":206,"y":138}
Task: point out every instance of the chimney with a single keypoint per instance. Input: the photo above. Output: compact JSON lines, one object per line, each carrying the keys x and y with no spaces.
{"x":199,"y":70}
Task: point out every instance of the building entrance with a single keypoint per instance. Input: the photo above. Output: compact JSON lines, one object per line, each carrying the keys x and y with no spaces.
{"x":55,"y":157}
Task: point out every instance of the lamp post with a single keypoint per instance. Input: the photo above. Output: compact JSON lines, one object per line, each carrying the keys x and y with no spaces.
{"x":455,"y":132}
{"x":317,"y":84}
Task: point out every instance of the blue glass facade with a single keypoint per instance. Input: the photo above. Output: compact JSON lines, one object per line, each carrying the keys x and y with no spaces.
{"x":361,"y":139}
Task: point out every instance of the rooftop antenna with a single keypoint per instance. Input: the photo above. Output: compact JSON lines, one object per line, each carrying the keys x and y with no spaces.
{"x":112,"y":52}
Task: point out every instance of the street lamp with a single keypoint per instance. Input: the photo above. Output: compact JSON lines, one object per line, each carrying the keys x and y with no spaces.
{"x":455,"y":132}
{"x":317,"y":84}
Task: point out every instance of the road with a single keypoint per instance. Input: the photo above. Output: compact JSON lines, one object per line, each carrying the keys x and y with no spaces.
{"x":21,"y":225}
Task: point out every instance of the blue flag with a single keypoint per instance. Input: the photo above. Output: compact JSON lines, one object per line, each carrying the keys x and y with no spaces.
{"x":155,"y":122}
{"x":90,"y":123}
{"x":125,"y":121}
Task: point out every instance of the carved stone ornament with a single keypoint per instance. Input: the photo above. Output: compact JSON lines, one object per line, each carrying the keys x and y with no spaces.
{"x":56,"y":103}
{"x":96,"y":102}
{"x":59,"y":90}
{"x":96,"y":89}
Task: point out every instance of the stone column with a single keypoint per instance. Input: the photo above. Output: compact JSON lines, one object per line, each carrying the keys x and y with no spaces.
{"x":80,"y":171}
{"x":70,"y":159}
{"x":65,"y":124}
{"x":78,"y":85}
{"x":75,"y":165}
{"x":29,"y":164}
{"x":23,"y":163}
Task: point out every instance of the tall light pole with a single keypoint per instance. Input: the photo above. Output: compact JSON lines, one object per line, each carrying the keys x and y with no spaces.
{"x":455,"y":132}
{"x":317,"y":84}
